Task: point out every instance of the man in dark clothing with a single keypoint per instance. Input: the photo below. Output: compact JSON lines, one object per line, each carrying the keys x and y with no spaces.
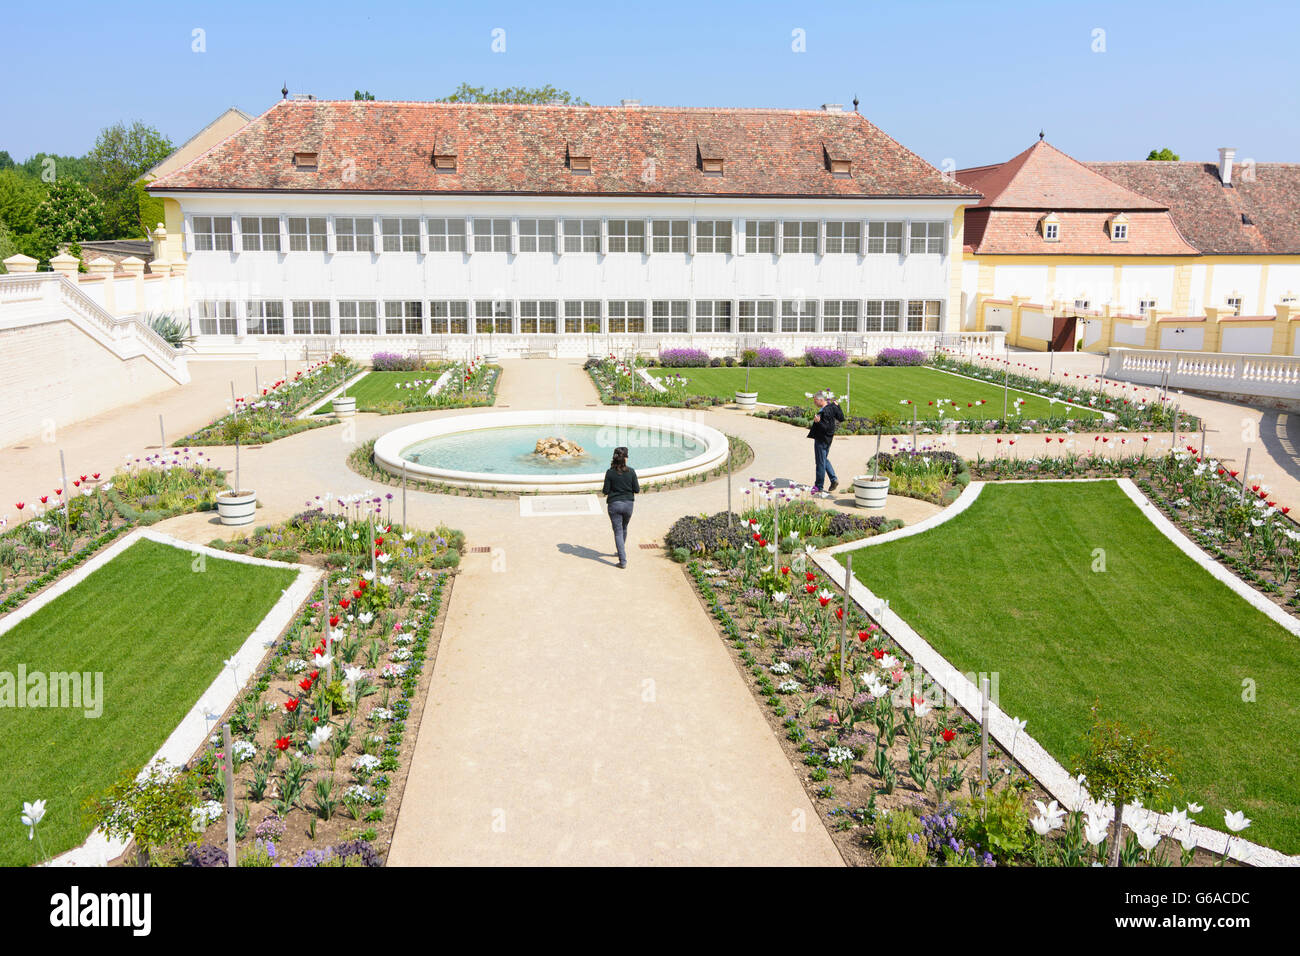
{"x":822,"y":432}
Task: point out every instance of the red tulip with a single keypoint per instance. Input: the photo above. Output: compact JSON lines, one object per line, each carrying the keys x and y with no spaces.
{"x":824,"y":601}
{"x":948,"y":735}
{"x":863,"y":635}
{"x":282,"y":743}
{"x":357,"y":594}
{"x":334,"y":620}
{"x":20,"y":505}
{"x":808,"y":575}
{"x":810,"y":588}
{"x":291,"y":704}
{"x":305,"y":683}
{"x":785,"y":570}
{"x":44,"y":498}
{"x":343,"y":603}
{"x":839,"y":613}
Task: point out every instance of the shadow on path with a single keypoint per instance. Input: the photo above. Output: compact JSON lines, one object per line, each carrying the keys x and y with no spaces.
{"x":591,"y":554}
{"x":1280,"y":433}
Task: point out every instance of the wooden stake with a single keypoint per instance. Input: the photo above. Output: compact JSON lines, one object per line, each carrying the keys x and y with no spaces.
{"x":162,"y":433}
{"x":914,"y":426}
{"x":1202,"y":439}
{"x":403,"y":494}
{"x":67,"y":492}
{"x":731,"y":518}
{"x":844,"y":621}
{"x":1245,"y":475}
{"x":228,"y":772}
{"x":374,"y":562}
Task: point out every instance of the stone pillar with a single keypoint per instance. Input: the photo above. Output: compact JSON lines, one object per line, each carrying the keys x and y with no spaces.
{"x":159,"y":239}
{"x":66,"y":265}
{"x":179,"y":291}
{"x":103,"y":267}
{"x":20,"y":263}
{"x":134,"y":268}
{"x":1282,"y":329}
{"x":1213,"y":330}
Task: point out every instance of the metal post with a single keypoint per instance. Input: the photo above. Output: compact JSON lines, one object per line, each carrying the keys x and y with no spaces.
{"x":1202,"y":439}
{"x":234,"y":402}
{"x":228,"y":760}
{"x":404,"y":494}
{"x":374,"y":563}
{"x":731,"y":518}
{"x":1051,"y":364}
{"x":776,"y":532}
{"x":1174,"y":441}
{"x":1245,"y":475}
{"x":844,"y":621}
{"x":162,"y":433}
{"x":67,"y":492}
{"x":285,"y":356}
{"x":984,"y":733}
{"x":914,"y":426}
{"x":1006,"y":385}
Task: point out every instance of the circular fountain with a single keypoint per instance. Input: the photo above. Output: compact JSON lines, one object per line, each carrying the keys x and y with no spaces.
{"x":548,"y":451}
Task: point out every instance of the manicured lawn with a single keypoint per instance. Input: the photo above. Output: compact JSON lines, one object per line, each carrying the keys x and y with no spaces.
{"x":872,"y":389}
{"x":159,"y":632}
{"x":1009,"y":586}
{"x":380,"y":388}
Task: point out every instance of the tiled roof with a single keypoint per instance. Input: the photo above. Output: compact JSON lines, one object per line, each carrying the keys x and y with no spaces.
{"x":1210,"y":215}
{"x":512,"y":149}
{"x":1043,"y":177}
{"x":1016,"y":232}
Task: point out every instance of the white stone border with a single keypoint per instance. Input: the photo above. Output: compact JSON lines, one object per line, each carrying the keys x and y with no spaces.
{"x":1028,"y":752}
{"x":194,"y":728}
{"x":1106,"y":416}
{"x":312,"y":406}
{"x":654,"y":383}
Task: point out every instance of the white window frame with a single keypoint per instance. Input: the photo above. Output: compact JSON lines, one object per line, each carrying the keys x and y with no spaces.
{"x":536,"y":234}
{"x":447,"y":234}
{"x":798,"y":315}
{"x":882,"y":315}
{"x":756,"y":316}
{"x":399,"y":233}
{"x":449,"y":317}
{"x":841,"y":315}
{"x":625,"y":235}
{"x":585,"y":313}
{"x":496,"y":313}
{"x":804,"y":244}
{"x":358,"y":317}
{"x":670,"y":235}
{"x":931,"y":238}
{"x":355,"y":231}
{"x":308,"y":239}
{"x":216,"y":317}
{"x":924,"y":315}
{"x":885,"y":237}
{"x":267,"y":240}
{"x":538,"y":313}
{"x":843,"y":237}
{"x":670,"y":316}
{"x":209,"y":236}
{"x":755,"y":240}
{"x":713,"y":312}
{"x":403,"y":317}
{"x":492,"y":234}
{"x":582,"y":235}
{"x":261,"y":315}
{"x":315,"y":312}
{"x":623,"y":314}
{"x":713,"y":236}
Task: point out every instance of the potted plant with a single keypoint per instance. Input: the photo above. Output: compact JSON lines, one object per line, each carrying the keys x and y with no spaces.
{"x":747,"y":399}
{"x":871,"y":491}
{"x":345,"y":404}
{"x":236,"y":505}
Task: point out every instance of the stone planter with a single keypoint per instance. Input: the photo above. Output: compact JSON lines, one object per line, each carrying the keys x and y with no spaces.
{"x":345,"y":405}
{"x":870,"y":492}
{"x":747,"y":399}
{"x":236,"y":508}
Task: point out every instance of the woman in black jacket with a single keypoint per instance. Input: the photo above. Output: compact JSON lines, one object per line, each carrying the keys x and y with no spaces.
{"x":621,"y":489}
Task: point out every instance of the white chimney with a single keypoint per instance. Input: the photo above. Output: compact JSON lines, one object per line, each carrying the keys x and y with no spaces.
{"x":629,"y":102}
{"x":833,"y":107}
{"x":1226,"y":155}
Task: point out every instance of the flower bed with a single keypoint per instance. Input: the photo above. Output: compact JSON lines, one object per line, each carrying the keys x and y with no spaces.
{"x":66,"y":526}
{"x":619,"y":384}
{"x":273,"y":414}
{"x":891,"y":765}
{"x":397,"y":362}
{"x":929,"y":474}
{"x":323,"y":735}
{"x":826,"y":357}
{"x":900,"y":357}
{"x":470,"y":385}
{"x":683,"y":358}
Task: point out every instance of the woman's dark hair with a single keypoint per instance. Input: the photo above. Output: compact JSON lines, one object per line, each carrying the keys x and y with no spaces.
{"x":619,"y":464}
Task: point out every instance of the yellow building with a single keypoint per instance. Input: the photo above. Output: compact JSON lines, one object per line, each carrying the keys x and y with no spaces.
{"x":1174,"y":255}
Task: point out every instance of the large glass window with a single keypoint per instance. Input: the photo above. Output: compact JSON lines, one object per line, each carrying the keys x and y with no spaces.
{"x":260,"y":233}
{"x":582,"y":315}
{"x":494,"y":316}
{"x":840,"y":315}
{"x":582,"y":235}
{"x":669,"y":235}
{"x":882,"y":315}
{"x":354,"y":234}
{"x":491,"y":235}
{"x":713,"y":315}
{"x":404,"y":318}
{"x":884,"y":237}
{"x":449,"y":318}
{"x":400,"y":235}
{"x":757,"y":316}
{"x":927,"y":237}
{"x":923,"y":315}
{"x":627,"y":316}
{"x":264,"y":317}
{"x":446,"y":235}
{"x":311,"y":317}
{"x":843,"y":236}
{"x":760,"y":235}
{"x":537,"y":317}
{"x":627,"y":235}
{"x":536,"y":235}
{"x":799,"y":316}
{"x":358,"y":317}
{"x":212,"y":233}
{"x":216,"y":317}
{"x":713,"y":235}
{"x":799,"y":235}
{"x":306,"y":233}
{"x":669,"y":315}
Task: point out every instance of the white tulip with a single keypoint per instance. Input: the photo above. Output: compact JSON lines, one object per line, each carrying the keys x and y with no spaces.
{"x":33,"y":813}
{"x":1235,"y":821}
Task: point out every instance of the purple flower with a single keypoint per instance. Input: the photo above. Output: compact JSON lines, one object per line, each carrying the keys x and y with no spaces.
{"x":683,"y":358}
{"x":900,"y":357}
{"x":826,"y":357}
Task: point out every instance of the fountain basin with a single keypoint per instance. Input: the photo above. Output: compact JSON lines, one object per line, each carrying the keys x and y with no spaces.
{"x":494,"y":450}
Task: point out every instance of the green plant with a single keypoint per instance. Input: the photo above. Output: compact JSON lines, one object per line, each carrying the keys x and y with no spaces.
{"x":899,"y":836}
{"x":1001,"y":823}
{"x":152,"y":808}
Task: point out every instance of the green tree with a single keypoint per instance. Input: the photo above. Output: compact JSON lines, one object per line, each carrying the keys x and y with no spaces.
{"x":8,"y":245}
{"x":20,"y":196}
{"x":358,"y":95}
{"x":70,"y":213}
{"x":513,"y":94}
{"x":1165,"y":155}
{"x":6,"y":161}
{"x":48,"y":167}
{"x":120,"y":156}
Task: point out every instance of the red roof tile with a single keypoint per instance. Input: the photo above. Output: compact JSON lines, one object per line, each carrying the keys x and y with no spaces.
{"x":1043,"y":177}
{"x":1211,"y":215}
{"x":513,"y":149}
{"x":1016,"y":232}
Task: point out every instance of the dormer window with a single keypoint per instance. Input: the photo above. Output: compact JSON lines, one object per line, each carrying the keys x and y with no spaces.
{"x":1050,"y":226}
{"x":580,"y":165}
{"x":304,"y":160}
{"x":444,"y":162}
{"x":838,"y":163}
{"x":443,"y":156}
{"x":1118,"y":228}
{"x":1234,"y":303}
{"x":841,"y":168}
{"x":710,"y":159}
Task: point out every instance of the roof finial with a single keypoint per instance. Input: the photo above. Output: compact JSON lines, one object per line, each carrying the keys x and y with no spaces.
{"x":284,"y":92}
{"x":855,"y":102}
{"x":1040,"y":135}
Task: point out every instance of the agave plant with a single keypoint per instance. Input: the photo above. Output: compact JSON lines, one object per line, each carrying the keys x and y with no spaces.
{"x":174,"y":330}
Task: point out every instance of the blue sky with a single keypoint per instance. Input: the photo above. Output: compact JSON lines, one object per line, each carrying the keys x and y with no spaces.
{"x":972,"y":82}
